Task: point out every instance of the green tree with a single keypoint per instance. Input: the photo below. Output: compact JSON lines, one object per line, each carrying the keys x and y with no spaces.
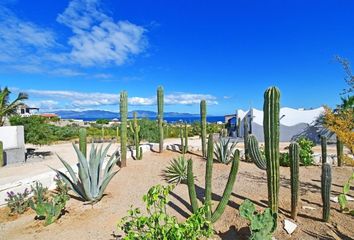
{"x":8,"y":108}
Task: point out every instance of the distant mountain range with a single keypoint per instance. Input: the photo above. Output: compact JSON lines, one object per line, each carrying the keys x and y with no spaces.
{"x":97,"y":114}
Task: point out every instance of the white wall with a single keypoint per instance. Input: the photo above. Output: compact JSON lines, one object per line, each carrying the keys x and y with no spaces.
{"x":12,"y":137}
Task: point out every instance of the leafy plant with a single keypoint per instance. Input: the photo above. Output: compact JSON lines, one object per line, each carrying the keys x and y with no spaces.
{"x":262,"y":224}
{"x":18,"y":203}
{"x":284,"y":159}
{"x":306,"y":152}
{"x":176,"y":172}
{"x":342,"y":198}
{"x":61,"y":187}
{"x":223,"y":150}
{"x":8,"y":108}
{"x":50,"y":210}
{"x":157,"y":224}
{"x":92,"y":179}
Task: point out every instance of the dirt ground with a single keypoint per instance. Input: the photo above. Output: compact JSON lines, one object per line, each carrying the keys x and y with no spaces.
{"x":128,"y":186}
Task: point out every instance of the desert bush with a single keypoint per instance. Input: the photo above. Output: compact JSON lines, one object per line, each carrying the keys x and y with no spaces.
{"x":102,"y":121}
{"x":176,"y":172}
{"x":306,"y":152}
{"x":92,"y":179}
{"x":157,"y":224}
{"x":223,"y":150}
{"x":262,"y":225}
{"x":18,"y":203}
{"x":284,"y":159}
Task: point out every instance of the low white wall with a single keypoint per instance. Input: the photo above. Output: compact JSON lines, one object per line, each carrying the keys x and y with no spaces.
{"x":12,"y":137}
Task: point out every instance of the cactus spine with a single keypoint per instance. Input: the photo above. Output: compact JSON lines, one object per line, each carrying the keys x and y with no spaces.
{"x":203,"y":127}
{"x":339,"y":152}
{"x":294,"y":151}
{"x":135,"y":128}
{"x":213,"y":216}
{"x":324,"y":149}
{"x":160,"y":104}
{"x":83,"y":141}
{"x":326,"y":179}
{"x":271,"y":137}
{"x":123,"y":127}
{"x":245,"y":138}
{"x":1,"y":154}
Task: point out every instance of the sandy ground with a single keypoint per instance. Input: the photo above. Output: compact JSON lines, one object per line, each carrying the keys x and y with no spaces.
{"x":127,"y":187}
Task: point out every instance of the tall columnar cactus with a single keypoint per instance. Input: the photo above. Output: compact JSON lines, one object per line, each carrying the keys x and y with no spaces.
{"x":135,"y":128}
{"x":183,"y":131}
{"x":123,"y":127}
{"x":213,"y":216}
{"x":83,"y":141}
{"x":203,"y":124}
{"x":324,"y":149}
{"x":102,"y":133}
{"x":160,"y":105}
{"x":294,"y":155}
{"x":238,"y":129}
{"x":117,"y":133}
{"x":326,"y":180}
{"x":245,"y":138}
{"x":1,"y":154}
{"x":339,"y":152}
{"x":271,"y":147}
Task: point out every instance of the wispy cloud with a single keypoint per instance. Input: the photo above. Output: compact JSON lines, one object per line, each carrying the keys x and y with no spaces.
{"x":75,"y":99}
{"x":96,"y":40}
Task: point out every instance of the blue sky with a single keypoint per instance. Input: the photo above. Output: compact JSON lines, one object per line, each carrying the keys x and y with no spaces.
{"x":80,"y":54}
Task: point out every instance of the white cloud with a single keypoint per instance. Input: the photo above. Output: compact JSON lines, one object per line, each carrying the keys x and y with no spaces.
{"x":95,"y":99}
{"x":22,"y":39}
{"x":43,"y":104}
{"x":97,"y":38}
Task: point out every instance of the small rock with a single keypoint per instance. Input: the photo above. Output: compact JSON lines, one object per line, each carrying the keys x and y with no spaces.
{"x":334,"y":199}
{"x":308,"y":207}
{"x":349,"y":198}
{"x":289,"y":226}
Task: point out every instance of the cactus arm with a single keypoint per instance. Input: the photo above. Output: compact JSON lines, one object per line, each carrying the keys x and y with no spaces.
{"x":83,"y":141}
{"x":203,"y":127}
{"x":324,"y":149}
{"x":123,"y":127}
{"x":255,"y":154}
{"x":245,"y":138}
{"x":1,"y":154}
{"x":294,"y":151}
{"x":160,"y":104}
{"x":339,"y":146}
{"x":271,"y":109}
{"x":208,"y":175}
{"x":326,"y":179}
{"x":191,"y":187}
{"x":228,"y":189}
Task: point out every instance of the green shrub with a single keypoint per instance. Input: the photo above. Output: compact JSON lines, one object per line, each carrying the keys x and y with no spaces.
{"x":284,"y":159}
{"x":342,"y":198}
{"x":306,"y":152}
{"x":102,"y":121}
{"x":262,"y":224}
{"x":157,"y":224}
{"x":18,"y":203}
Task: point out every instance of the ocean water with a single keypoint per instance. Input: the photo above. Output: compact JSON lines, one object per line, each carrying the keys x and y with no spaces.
{"x":210,"y":119}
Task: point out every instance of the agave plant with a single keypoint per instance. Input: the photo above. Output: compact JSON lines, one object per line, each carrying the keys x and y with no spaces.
{"x":176,"y":172}
{"x":223,"y":150}
{"x":92,"y":179}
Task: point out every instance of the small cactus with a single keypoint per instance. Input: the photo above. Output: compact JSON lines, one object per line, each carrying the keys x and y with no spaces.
{"x":83,"y":141}
{"x":324,"y":149}
{"x":245,"y":138}
{"x":2,"y":163}
{"x":135,"y":129}
{"x":160,"y":105}
{"x":203,"y":127}
{"x":123,"y":127}
{"x":339,"y":152}
{"x":326,"y":179}
{"x":294,"y":155}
